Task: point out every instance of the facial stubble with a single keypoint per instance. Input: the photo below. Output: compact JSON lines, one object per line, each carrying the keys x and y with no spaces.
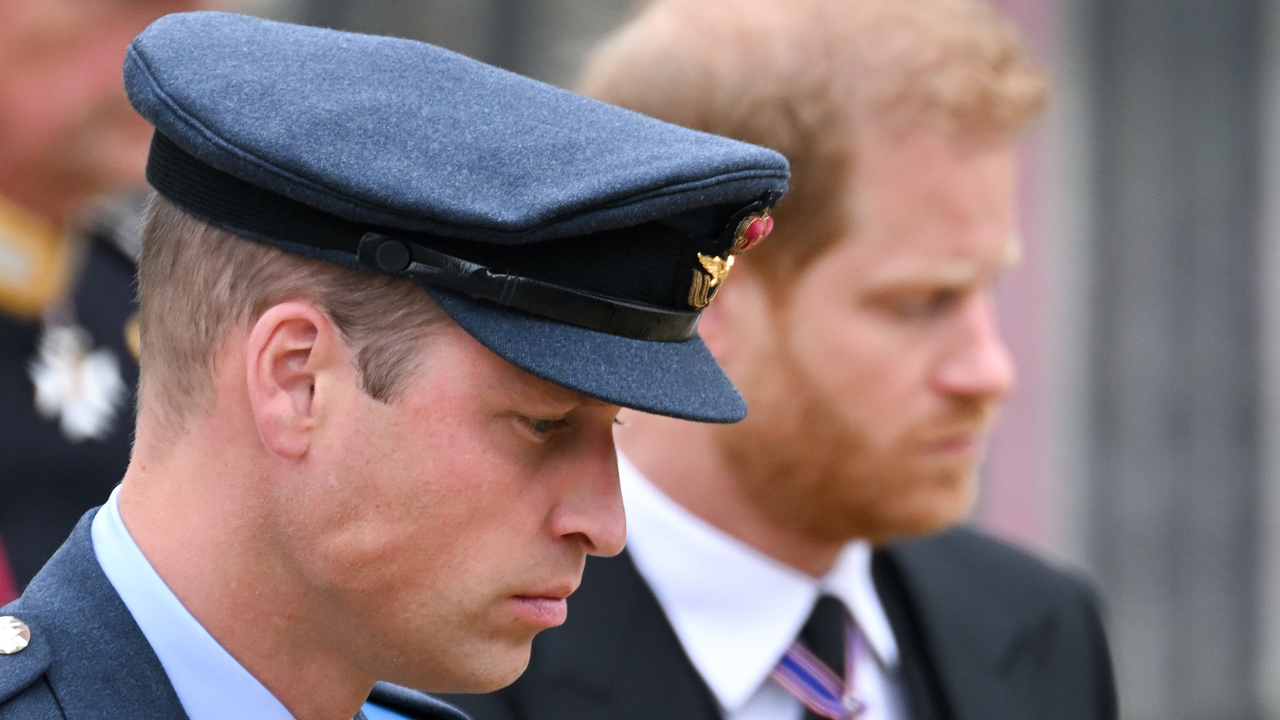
{"x":806,"y":464}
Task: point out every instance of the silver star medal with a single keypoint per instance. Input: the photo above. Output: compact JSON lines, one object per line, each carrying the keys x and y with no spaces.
{"x":76,"y":385}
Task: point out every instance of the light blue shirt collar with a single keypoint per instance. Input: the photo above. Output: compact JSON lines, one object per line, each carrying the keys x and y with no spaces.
{"x":210,"y":683}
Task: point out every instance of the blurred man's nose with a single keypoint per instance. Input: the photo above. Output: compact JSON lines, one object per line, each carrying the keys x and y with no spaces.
{"x":976,"y":362}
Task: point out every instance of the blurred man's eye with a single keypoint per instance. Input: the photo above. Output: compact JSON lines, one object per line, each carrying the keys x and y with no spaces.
{"x":921,"y":305}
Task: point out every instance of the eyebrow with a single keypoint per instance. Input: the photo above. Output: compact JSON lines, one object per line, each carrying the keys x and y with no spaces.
{"x":549,"y":393}
{"x":954,"y":275}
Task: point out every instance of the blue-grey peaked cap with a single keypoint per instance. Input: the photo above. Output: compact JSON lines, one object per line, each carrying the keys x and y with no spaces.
{"x":577,"y":240}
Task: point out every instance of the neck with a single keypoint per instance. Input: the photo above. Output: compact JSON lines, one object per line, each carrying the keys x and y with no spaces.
{"x":682,"y":459}
{"x":192,"y":511}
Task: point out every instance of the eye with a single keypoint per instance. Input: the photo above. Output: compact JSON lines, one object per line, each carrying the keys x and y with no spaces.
{"x":924,"y":304}
{"x":543,"y":427}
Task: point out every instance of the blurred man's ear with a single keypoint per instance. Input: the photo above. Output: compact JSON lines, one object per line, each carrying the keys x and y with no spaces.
{"x":737,"y":319}
{"x":711,"y":326}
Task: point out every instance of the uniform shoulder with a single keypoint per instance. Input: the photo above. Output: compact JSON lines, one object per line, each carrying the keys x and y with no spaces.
{"x":25,"y":658}
{"x":412,"y":704}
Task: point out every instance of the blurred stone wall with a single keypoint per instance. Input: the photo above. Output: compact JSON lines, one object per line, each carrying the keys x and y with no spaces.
{"x":1176,"y":383}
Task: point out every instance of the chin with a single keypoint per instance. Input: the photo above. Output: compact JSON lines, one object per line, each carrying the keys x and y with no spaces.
{"x":938,"y":511}
{"x":931,"y":510}
{"x":497,"y":680}
{"x":908,"y":526}
{"x":942,"y":518}
{"x":480,"y":668}
{"x":501,"y":670}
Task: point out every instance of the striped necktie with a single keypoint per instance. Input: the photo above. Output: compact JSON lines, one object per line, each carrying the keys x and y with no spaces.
{"x":818,"y":668}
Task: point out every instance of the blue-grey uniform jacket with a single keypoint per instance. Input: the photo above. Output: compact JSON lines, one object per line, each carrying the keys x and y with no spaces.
{"x":88,"y":660}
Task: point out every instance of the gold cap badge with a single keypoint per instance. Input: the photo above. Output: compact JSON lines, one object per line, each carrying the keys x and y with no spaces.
{"x":701,"y":291}
{"x":749,"y":233}
{"x":14,"y":635}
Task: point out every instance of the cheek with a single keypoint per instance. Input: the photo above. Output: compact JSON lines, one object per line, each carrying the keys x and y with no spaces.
{"x":871,"y":372}
{"x":473,"y":507}
{"x":370,"y":503}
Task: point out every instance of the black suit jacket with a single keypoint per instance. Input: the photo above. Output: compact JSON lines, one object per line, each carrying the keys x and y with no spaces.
{"x":986,"y":632}
{"x":88,"y":659}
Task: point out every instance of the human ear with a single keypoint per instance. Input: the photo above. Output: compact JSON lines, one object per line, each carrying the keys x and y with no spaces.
{"x":712,"y":325}
{"x":290,"y":346}
{"x":733,"y":317}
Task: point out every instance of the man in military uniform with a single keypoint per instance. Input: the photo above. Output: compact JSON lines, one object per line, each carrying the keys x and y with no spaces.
{"x":67,"y":370}
{"x":805,"y":562}
{"x":391,"y":301}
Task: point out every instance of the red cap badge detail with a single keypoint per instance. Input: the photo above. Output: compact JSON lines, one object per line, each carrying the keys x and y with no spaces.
{"x":751,"y":231}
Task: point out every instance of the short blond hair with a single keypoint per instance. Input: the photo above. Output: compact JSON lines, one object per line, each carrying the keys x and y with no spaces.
{"x":801,"y":76}
{"x":196,"y":282}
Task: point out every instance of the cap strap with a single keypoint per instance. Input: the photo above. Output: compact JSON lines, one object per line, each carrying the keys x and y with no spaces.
{"x":575,"y":307}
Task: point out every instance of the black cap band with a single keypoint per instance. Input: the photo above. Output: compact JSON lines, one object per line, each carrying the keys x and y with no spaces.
{"x":634,"y":312}
{"x":607,"y":315}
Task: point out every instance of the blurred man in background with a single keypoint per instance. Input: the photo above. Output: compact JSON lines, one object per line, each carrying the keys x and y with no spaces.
{"x":67,"y":368}
{"x":806,"y":561}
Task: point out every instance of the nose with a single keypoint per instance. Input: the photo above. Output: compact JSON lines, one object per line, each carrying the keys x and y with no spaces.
{"x":977,"y":362}
{"x":590,"y":510}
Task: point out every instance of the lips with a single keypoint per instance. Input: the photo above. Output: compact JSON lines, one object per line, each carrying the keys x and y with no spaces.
{"x":958,"y":444}
{"x":540,"y":611}
{"x":545,"y":607}
{"x":968,"y":429}
{"x":959,"y":440}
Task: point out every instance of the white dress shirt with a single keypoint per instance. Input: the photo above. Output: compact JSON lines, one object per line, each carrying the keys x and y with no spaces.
{"x":736,"y":611}
{"x":209,"y":682}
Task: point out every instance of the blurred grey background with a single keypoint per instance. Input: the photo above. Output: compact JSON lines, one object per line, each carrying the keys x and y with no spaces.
{"x":545,"y":39}
{"x":1143,"y":442}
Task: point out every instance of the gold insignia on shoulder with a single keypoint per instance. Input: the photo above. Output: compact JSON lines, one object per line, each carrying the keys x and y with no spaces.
{"x":704,"y":283}
{"x":133,"y":337}
{"x":35,"y":262}
{"x":15,"y":636}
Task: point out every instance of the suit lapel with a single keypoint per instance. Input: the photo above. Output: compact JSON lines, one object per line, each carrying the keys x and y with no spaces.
{"x":924,"y":695}
{"x":101,"y":665}
{"x":969,"y":640}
